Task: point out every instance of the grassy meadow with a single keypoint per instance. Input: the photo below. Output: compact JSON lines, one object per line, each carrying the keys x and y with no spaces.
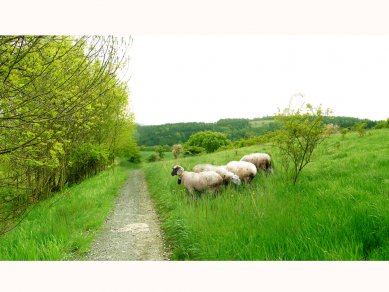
{"x":339,"y":209}
{"x":63,"y":226}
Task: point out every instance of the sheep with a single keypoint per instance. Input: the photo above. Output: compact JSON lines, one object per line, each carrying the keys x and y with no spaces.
{"x":227,"y":176}
{"x":262,"y":161}
{"x":245,"y":170}
{"x":203,"y":181}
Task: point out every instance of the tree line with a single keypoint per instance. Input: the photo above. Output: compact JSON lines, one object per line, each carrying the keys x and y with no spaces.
{"x":235,"y":129}
{"x":63,"y":115}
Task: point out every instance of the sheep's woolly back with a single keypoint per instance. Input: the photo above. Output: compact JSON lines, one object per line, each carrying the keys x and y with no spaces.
{"x":262,"y":161}
{"x":245,"y":170}
{"x":227,"y":176}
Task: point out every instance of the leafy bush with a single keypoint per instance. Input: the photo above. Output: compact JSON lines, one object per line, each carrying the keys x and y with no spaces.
{"x":332,"y":129}
{"x":87,"y":160}
{"x":382,"y":124}
{"x":256,"y":140}
{"x":302,"y":130}
{"x":210,"y":141}
{"x":193,"y":150}
{"x":343,"y":132}
{"x":153,"y":157}
{"x":161,"y":151}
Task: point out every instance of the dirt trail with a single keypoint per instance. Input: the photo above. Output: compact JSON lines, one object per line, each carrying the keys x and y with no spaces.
{"x":132,"y":230}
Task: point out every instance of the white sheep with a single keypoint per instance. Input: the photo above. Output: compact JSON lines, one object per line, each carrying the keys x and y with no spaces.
{"x":203,"y":181}
{"x":262,"y":161}
{"x":245,"y":170}
{"x":227,"y":176}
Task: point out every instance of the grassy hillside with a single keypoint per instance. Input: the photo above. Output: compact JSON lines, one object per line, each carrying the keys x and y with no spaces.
{"x":339,"y":209}
{"x":64,"y":226}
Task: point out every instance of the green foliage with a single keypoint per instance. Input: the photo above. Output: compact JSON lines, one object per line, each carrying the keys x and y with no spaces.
{"x":332,"y":129}
{"x":210,"y":141}
{"x":87,"y":160}
{"x":347,"y":122}
{"x":153,"y":157}
{"x":161,"y":151}
{"x":360,"y":127}
{"x":58,"y":94}
{"x":193,"y":150}
{"x":344,"y":131}
{"x":256,"y":140}
{"x":339,"y":211}
{"x":382,"y":124}
{"x":235,"y":129}
{"x":301,"y":131}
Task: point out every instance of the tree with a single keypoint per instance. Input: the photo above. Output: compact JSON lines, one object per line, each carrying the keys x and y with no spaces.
{"x":63,"y":110}
{"x":210,"y":141}
{"x":302,"y":130}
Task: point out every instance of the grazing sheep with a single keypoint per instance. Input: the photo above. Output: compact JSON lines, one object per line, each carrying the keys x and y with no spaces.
{"x":262,"y":161}
{"x":245,"y":170}
{"x":203,"y":181}
{"x":227,"y":176}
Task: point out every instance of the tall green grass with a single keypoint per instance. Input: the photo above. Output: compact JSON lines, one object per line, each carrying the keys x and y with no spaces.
{"x":339,"y":209}
{"x":63,"y":227}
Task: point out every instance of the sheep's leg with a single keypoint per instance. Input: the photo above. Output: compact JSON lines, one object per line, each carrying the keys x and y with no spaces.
{"x":249,"y":179}
{"x":191,"y":190}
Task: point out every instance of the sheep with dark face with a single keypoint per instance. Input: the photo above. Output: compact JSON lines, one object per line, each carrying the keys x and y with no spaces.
{"x":245,"y":170}
{"x":227,"y":176}
{"x":262,"y":161}
{"x":201,"y":182}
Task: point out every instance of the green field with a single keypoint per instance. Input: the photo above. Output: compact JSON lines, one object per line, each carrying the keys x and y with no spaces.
{"x":339,"y":209}
{"x":64,"y":226}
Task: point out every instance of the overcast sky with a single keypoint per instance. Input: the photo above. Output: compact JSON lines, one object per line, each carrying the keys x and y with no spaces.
{"x":206,"y":78}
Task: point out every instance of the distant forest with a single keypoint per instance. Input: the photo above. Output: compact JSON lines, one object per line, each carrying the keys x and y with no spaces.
{"x":235,"y":129}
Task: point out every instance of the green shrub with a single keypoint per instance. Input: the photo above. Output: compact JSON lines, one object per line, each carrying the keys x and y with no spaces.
{"x":343,"y":132}
{"x":153,"y":157}
{"x":87,"y":160}
{"x":301,"y":131}
{"x":193,"y":150}
{"x":360,"y":127}
{"x":210,"y":141}
{"x":161,"y":151}
{"x":382,"y":124}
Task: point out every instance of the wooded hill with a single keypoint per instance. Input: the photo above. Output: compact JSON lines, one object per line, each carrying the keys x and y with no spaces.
{"x":235,"y":129}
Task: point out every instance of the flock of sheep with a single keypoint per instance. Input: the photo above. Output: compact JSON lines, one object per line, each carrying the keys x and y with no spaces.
{"x":204,"y":177}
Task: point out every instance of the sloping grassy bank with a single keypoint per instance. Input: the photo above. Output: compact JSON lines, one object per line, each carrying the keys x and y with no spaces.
{"x":339,"y":209}
{"x":63,"y":227}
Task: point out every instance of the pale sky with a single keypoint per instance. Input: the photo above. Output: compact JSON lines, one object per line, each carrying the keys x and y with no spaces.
{"x":206,"y":78}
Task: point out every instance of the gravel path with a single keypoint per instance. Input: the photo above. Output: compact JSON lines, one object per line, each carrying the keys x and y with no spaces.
{"x":132,"y":230}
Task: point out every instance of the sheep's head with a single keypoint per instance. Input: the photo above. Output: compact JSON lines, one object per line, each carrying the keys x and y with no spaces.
{"x":177,"y":170}
{"x":235,"y":179}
